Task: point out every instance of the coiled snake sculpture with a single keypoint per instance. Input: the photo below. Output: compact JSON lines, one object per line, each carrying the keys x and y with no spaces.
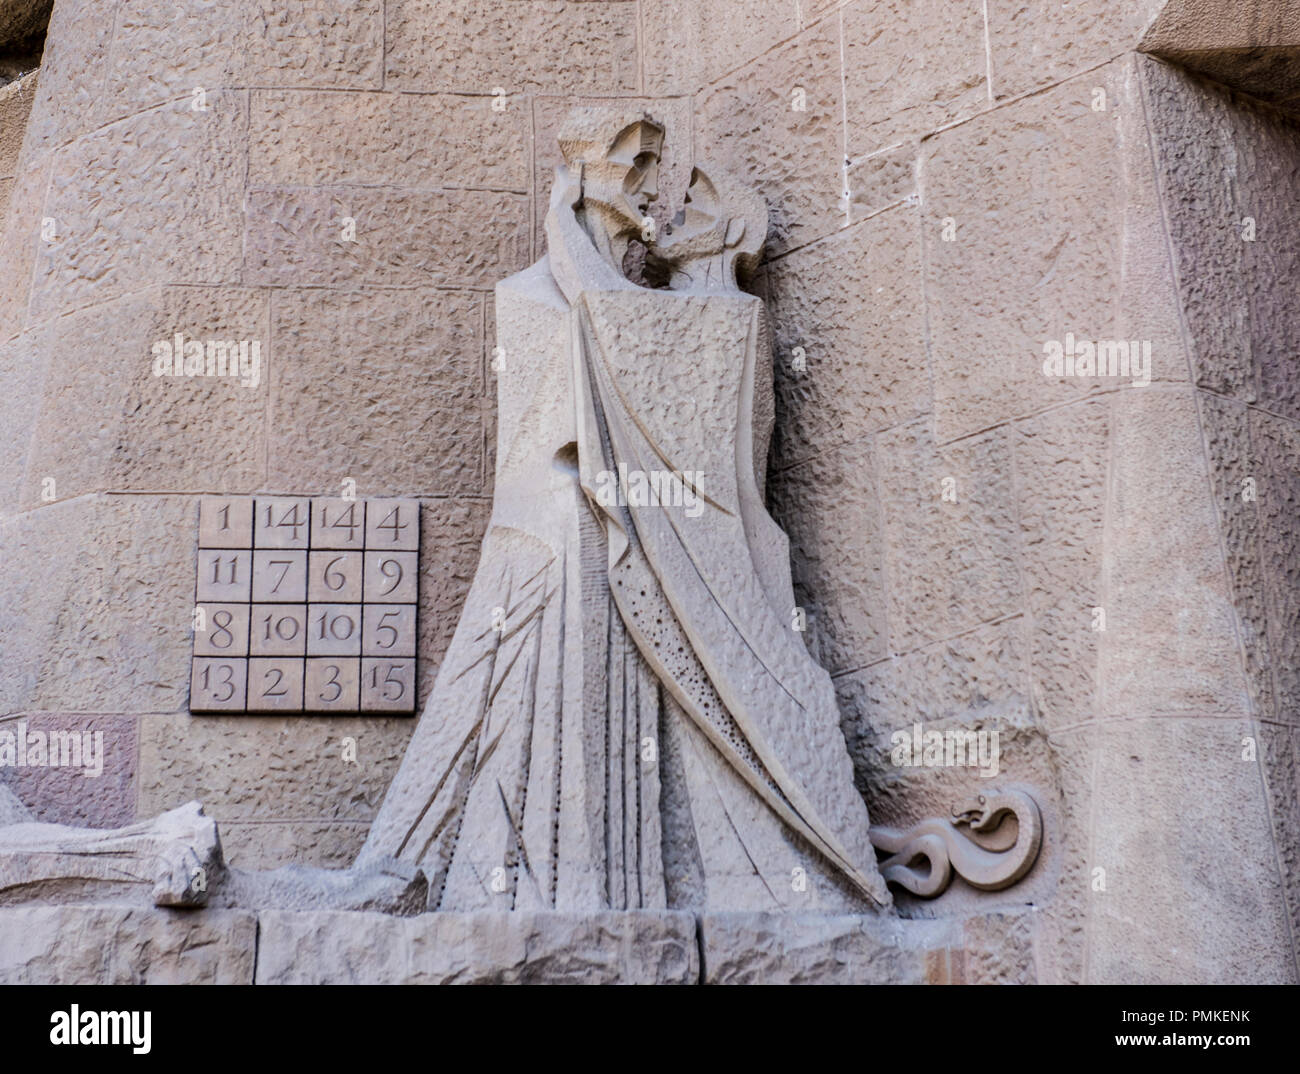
{"x":995,"y":856}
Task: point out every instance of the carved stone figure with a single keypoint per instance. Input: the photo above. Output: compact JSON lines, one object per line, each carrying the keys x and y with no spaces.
{"x":626,"y":716}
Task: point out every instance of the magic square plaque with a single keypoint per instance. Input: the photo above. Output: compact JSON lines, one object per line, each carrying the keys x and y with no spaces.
{"x":305,"y":605}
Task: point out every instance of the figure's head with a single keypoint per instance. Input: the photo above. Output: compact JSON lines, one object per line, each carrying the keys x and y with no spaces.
{"x":616,"y":153}
{"x":720,"y":217}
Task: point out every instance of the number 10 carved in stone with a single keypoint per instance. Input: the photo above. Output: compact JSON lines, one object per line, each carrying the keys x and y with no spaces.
{"x":305,"y":605}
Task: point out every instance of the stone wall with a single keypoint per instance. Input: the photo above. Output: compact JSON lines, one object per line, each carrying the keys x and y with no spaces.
{"x":951,"y":184}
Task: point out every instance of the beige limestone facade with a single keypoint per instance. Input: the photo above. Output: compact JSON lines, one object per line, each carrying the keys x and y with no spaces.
{"x":1103,"y":569}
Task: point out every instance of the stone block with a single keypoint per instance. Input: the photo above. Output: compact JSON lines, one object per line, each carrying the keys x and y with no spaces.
{"x":72,"y":72}
{"x":1036,"y":43}
{"x":15,"y":106}
{"x":108,"y":422}
{"x":1279,"y":760}
{"x":20,"y":231}
{"x":269,"y":844}
{"x":829,"y":509}
{"x":854,"y":303}
{"x":97,"y":793}
{"x":1276,"y":453}
{"x":778,"y":121}
{"x":1061,"y":496}
{"x":1238,"y":479}
{"x":910,"y":69}
{"x":253,"y":768}
{"x":688,"y":45}
{"x":313,"y":138}
{"x":169,"y":205}
{"x":606,"y":947}
{"x":952,"y":546}
{"x":1255,"y":49}
{"x":883,"y":179}
{"x":801,"y":948}
{"x":463,"y":46}
{"x":346,"y":236}
{"x":413,"y":356}
{"x":978,"y":674}
{"x":99,"y":600}
{"x":1042,"y":223}
{"x":119,"y":945}
{"x":335,"y":44}
{"x":1170,"y":643}
{"x":1236,"y":257}
{"x":1192,"y":886}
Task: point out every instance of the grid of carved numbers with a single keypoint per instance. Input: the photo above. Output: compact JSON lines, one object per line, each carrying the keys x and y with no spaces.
{"x":307,"y":605}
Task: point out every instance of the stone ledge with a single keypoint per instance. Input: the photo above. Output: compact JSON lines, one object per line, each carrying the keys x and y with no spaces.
{"x":108,"y":944}
{"x":126,"y":945}
{"x":339,"y":947}
{"x":806,"y":948}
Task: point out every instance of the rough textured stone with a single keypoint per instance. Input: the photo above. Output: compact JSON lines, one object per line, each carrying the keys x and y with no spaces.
{"x":236,"y":764}
{"x":1228,"y":166}
{"x":950,"y":533}
{"x":750,"y":123}
{"x":479,"y":948}
{"x":977,"y":674}
{"x":315,"y":138}
{"x":79,"y":796}
{"x":824,"y":949}
{"x":829,"y":509}
{"x":882,"y":180}
{"x":854,"y":303}
{"x":136,"y":431}
{"x":15,"y":106}
{"x":451,"y":534}
{"x":412,"y":359}
{"x":125,"y":945}
{"x":72,"y":72}
{"x":910,"y":69}
{"x":201,"y":40}
{"x":1239,"y":479}
{"x":1034,"y":43}
{"x":1255,"y":49}
{"x":295,"y":237}
{"x":20,"y":230}
{"x":1061,"y":496}
{"x":558,"y":45}
{"x":1279,"y":760}
{"x":687,"y":45}
{"x":333,"y":43}
{"x":99,"y":603}
{"x":169,"y":205}
{"x":272,"y":844}
{"x":1170,"y":642}
{"x":1276,"y":454}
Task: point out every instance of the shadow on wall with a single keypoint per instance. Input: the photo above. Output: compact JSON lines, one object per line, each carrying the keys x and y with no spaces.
{"x":22,"y":39}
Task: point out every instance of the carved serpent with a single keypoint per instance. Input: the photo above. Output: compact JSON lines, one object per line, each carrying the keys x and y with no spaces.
{"x":996,"y":864}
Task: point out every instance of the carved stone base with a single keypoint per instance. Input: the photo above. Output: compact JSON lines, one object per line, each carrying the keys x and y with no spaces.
{"x":127,"y":944}
{"x":630,"y":947}
{"x":855,"y":949}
